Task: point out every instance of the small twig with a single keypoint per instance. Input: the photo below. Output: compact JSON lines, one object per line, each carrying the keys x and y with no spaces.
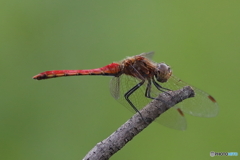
{"x":106,"y":148}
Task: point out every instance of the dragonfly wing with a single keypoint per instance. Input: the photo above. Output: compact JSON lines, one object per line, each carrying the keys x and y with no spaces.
{"x":148,"y":55}
{"x":173,"y":119}
{"x":115,"y":87}
{"x":119,"y":86}
{"x":201,"y":105}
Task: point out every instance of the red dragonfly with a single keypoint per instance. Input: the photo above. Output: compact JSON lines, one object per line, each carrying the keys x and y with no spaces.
{"x":135,"y":83}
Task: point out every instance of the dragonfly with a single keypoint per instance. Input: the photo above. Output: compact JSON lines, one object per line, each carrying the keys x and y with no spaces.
{"x":138,"y":79}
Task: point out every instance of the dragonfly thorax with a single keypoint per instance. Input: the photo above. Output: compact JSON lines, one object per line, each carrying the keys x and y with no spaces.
{"x":163,"y":72}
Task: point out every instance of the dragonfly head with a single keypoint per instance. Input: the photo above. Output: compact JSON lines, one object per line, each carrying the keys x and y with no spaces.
{"x":163,"y":72}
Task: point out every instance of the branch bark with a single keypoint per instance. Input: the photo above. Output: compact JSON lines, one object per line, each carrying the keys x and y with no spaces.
{"x":106,"y":148}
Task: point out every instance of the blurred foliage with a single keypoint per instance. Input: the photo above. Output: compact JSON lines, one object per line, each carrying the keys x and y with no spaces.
{"x":64,"y":118}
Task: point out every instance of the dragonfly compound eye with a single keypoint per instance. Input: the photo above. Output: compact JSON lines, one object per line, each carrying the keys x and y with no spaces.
{"x":163,"y":72}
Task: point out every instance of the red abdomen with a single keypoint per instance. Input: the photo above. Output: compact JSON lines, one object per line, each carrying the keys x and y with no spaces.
{"x":110,"y":70}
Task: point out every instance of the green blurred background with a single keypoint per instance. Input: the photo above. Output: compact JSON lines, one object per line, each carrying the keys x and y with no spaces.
{"x":64,"y":118}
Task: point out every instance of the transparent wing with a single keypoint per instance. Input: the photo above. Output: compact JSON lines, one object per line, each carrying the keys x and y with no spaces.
{"x":148,"y":55}
{"x":120,"y":85}
{"x":172,"y":119}
{"x":202,"y":105}
{"x":115,"y":87}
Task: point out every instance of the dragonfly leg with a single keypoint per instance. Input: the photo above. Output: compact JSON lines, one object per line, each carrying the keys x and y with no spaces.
{"x":160,"y":88}
{"x":126,"y":95}
{"x":148,"y":90}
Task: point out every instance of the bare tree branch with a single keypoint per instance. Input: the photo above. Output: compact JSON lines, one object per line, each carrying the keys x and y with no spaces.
{"x":106,"y":148}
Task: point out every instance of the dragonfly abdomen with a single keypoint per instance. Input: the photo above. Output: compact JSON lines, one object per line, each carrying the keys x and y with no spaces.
{"x":110,"y":70}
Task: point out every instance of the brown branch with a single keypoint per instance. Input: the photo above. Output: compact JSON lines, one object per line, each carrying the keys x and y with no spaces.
{"x":106,"y":148}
